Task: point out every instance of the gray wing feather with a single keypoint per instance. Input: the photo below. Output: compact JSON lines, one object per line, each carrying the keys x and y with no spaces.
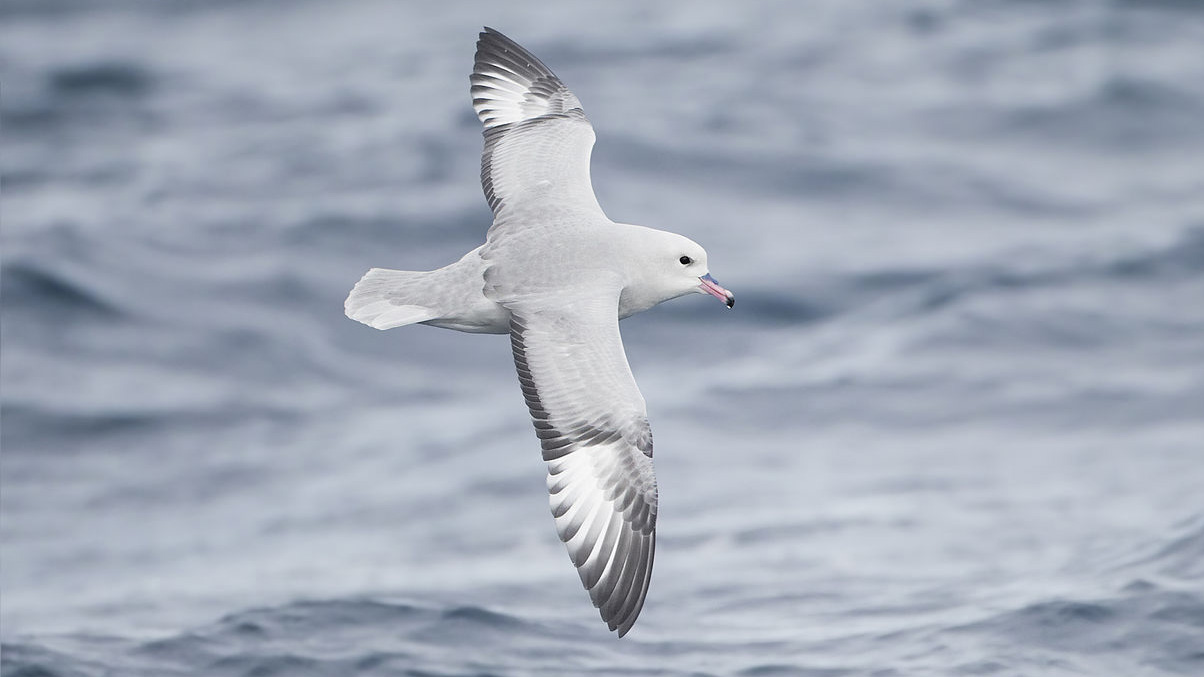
{"x":591,"y":422}
{"x":537,"y":138}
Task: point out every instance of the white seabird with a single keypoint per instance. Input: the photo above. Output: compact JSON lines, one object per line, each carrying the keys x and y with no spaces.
{"x":557,"y":275}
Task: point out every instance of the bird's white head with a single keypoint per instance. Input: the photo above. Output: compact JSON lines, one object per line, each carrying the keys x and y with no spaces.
{"x":670,"y":266}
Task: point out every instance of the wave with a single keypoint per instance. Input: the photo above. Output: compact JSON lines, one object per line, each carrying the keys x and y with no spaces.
{"x":38,"y":288}
{"x":23,"y":422}
{"x":112,"y":78}
{"x":918,"y":291}
{"x":754,"y":174}
{"x":1144,"y":626}
{"x":338,"y":637}
{"x":91,"y":95}
{"x":1180,"y":557}
{"x":1119,"y":113}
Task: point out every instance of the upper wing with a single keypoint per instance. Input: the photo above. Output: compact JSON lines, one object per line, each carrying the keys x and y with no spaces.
{"x":537,"y":138}
{"x":591,"y":421}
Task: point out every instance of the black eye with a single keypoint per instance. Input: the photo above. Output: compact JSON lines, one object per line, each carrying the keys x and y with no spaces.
{"x":685,"y":260}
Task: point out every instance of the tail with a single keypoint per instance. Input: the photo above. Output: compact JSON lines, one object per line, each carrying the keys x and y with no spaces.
{"x":388,"y":298}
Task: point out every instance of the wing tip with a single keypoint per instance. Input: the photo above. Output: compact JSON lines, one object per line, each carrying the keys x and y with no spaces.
{"x":620,"y":606}
{"x":492,"y":38}
{"x":509,"y":84}
{"x":496,"y":51}
{"x":626,"y":623}
{"x":493,"y":45}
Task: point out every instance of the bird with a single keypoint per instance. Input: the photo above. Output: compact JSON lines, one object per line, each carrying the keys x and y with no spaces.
{"x":557,"y":275}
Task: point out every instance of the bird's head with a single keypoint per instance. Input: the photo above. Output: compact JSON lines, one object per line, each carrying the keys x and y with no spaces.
{"x":673,"y":266}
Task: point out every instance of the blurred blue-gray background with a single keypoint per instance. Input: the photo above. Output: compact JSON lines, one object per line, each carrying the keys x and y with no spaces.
{"x":954,"y":425}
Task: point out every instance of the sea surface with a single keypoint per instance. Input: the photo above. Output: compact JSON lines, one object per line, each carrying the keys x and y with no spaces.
{"x":953,"y":426}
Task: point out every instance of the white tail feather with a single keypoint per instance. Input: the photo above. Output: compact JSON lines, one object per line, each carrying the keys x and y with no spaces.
{"x":381,"y":299}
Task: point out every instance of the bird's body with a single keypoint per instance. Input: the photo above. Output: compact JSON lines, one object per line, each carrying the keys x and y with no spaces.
{"x":557,"y":275}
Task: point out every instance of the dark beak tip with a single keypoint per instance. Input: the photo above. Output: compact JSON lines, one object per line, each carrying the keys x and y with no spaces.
{"x":731,"y":301}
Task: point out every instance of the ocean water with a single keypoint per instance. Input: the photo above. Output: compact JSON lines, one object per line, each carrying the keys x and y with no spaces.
{"x":953,"y":426}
